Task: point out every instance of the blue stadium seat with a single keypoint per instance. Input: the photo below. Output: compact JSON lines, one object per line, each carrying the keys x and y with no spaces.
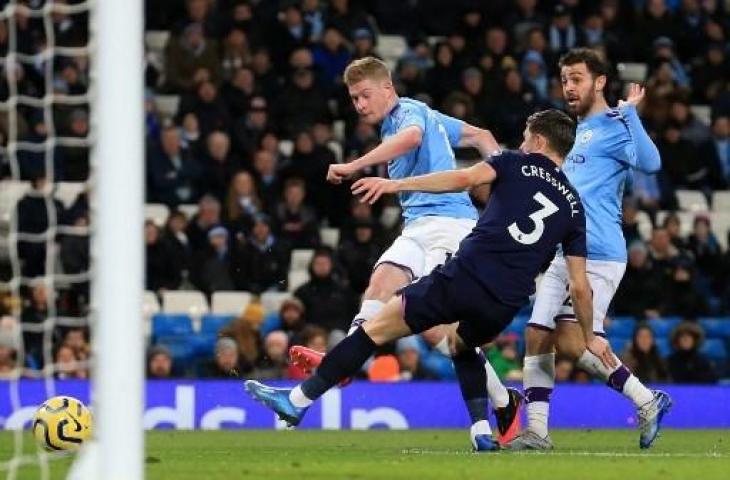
{"x":715,"y":349}
{"x":181,"y":347}
{"x":440,"y":365}
{"x":518,"y":325}
{"x":664,"y":346}
{"x":165,"y":324}
{"x":204,"y":344}
{"x":716,"y":327}
{"x":662,"y":327}
{"x":622,"y":327}
{"x":619,"y":344}
{"x":213,"y":323}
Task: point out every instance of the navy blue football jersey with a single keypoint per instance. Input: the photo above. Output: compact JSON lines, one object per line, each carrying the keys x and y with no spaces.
{"x":532,"y":209}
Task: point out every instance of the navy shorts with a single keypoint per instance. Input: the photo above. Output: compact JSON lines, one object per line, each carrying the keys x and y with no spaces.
{"x":450,"y":294}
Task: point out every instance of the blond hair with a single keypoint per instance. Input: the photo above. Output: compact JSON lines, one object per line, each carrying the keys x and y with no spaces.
{"x":366,"y":68}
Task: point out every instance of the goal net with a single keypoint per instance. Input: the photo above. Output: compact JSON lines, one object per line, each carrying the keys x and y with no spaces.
{"x":71,"y":163}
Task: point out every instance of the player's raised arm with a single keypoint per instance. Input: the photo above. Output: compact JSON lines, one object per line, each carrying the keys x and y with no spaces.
{"x":462,"y":134}
{"x":481,"y":139}
{"x":402,"y":142}
{"x":644,"y":153}
{"x":372,"y":188}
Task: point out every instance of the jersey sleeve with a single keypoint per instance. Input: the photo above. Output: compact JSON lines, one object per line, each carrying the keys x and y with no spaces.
{"x":574,"y":243}
{"x":453,"y":127}
{"x":501,"y":162}
{"x":409,"y":116}
{"x":641,"y":152}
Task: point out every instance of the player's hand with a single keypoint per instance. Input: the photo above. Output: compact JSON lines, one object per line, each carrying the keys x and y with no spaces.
{"x":372,"y":188}
{"x":634,"y":97}
{"x":599,"y":347}
{"x":339,"y":172}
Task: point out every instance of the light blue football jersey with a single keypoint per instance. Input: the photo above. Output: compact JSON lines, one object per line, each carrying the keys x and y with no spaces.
{"x":608,"y":145}
{"x":434,"y":154}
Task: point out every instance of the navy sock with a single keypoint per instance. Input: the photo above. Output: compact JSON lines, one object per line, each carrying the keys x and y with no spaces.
{"x":343,"y":361}
{"x":473,"y":382}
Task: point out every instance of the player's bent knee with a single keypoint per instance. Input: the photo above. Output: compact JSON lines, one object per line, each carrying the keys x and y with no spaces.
{"x":385,"y":281}
{"x":538,"y":341}
{"x":569,"y":341}
{"x":387,"y":325}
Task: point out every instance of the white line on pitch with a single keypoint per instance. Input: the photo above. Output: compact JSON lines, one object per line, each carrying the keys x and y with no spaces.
{"x":418,"y":451}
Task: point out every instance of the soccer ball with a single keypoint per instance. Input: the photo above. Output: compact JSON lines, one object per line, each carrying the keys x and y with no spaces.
{"x":62,"y":424}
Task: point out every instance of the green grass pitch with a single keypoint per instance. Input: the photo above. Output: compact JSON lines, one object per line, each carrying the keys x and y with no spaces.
{"x":419,"y":454}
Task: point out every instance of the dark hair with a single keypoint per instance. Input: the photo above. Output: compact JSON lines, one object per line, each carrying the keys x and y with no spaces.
{"x":591,"y":58}
{"x":557,"y":128}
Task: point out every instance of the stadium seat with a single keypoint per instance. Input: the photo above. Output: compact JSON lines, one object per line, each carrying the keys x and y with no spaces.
{"x":517,"y":325}
{"x":336,"y":149}
{"x":720,"y":224}
{"x":296,"y":279}
{"x":167,"y":105}
{"x":721,"y":201}
{"x":662,"y":327}
{"x":157,"y":212}
{"x":715,"y":349}
{"x":619,"y":344}
{"x":203,"y":345}
{"x":230,"y":303}
{"x":621,"y":327}
{"x":189,"y":209}
{"x":156,"y":40}
{"x":286,"y":147}
{"x":338,"y":130}
{"x":164,"y":325}
{"x":434,"y":40}
{"x":391,"y":47}
{"x":703,"y":113}
{"x":390,"y":217}
{"x":150,"y":304}
{"x":10,"y":192}
{"x":68,"y":192}
{"x":664,"y":346}
{"x":182,"y":348}
{"x":716,"y":327}
{"x":686,"y":220}
{"x":272,"y":301}
{"x":190,"y":302}
{"x":645,"y":225}
{"x":330,"y":237}
{"x":692,"y":200}
{"x":300,"y":259}
{"x":213,"y":323}
{"x":632,"y":72}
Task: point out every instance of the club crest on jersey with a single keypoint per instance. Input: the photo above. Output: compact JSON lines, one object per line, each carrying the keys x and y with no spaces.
{"x":576,"y":158}
{"x":586,"y":136}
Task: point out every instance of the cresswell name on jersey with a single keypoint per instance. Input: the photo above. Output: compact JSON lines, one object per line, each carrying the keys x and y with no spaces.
{"x":533,"y":171}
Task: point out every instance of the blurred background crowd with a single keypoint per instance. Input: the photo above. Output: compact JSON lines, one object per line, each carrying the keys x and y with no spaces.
{"x":245,"y":110}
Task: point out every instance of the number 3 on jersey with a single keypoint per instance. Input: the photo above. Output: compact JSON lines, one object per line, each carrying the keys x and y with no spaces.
{"x":538,"y":218}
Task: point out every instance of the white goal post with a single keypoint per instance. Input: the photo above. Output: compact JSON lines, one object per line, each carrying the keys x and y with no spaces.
{"x":117,"y":239}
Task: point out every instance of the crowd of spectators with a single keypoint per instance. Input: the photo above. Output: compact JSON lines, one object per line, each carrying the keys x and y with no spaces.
{"x":252,"y":74}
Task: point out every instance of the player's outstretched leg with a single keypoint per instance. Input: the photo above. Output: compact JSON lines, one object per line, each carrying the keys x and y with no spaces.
{"x":277,"y":399}
{"x":473,"y":383}
{"x":384,"y":282}
{"x":341,"y":362}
